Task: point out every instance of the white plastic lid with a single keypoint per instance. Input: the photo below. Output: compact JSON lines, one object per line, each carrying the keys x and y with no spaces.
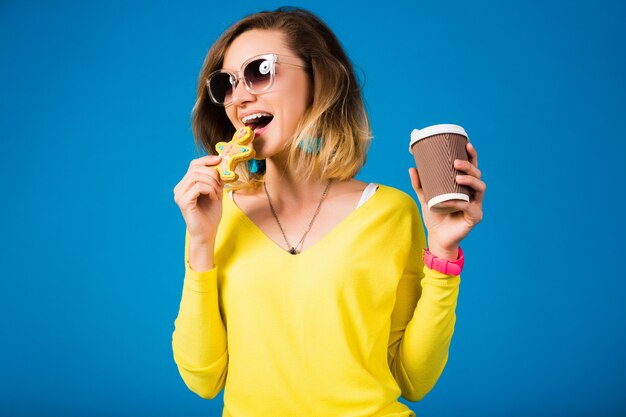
{"x":419,"y":134}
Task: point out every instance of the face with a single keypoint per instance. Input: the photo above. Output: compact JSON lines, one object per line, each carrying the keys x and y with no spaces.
{"x":283,"y":105}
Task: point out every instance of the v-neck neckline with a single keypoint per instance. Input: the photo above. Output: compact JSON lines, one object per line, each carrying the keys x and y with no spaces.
{"x":321,"y":241}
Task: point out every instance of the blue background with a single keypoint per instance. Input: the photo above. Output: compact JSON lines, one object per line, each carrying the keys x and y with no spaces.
{"x":95,"y":102}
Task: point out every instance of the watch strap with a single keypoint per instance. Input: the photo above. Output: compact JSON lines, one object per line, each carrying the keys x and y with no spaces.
{"x":444,"y":266}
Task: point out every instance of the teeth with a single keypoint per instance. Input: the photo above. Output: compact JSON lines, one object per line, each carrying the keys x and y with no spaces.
{"x":250,"y":117}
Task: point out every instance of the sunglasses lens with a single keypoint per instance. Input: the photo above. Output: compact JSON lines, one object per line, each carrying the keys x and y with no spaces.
{"x":221,"y":87}
{"x":258,"y":74}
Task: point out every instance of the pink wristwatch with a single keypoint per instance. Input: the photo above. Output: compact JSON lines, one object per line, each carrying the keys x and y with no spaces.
{"x":442,"y":265}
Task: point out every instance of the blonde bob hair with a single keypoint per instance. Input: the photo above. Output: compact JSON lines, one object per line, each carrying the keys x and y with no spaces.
{"x":333,"y":136}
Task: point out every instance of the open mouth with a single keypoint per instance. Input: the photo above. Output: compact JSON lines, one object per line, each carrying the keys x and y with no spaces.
{"x":257,"y":121}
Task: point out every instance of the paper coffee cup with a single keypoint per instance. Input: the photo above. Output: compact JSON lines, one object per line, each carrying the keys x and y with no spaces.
{"x":435,"y":148}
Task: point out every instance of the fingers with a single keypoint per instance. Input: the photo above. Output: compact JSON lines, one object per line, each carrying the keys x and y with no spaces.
{"x":198,"y":166}
{"x":472,"y":210}
{"x":207,"y":160}
{"x":459,"y":205}
{"x":188,"y":194}
{"x":478,"y":186}
{"x":467,"y":167}
{"x":201,"y":171}
{"x":201,"y":188}
{"x":471,"y":179}
{"x":473,"y":174}
{"x":198,"y":174}
{"x":473,"y":155}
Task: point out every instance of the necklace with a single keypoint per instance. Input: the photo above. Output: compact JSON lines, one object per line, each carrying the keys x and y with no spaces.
{"x":293,"y":249}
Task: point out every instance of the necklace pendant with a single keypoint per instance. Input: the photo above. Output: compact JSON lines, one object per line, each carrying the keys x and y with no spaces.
{"x":292,"y":250}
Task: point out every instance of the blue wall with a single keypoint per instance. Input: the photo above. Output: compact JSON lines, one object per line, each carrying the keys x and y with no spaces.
{"x":95,"y":100}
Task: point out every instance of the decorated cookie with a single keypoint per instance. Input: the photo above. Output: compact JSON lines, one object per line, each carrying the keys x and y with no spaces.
{"x":234,"y":152}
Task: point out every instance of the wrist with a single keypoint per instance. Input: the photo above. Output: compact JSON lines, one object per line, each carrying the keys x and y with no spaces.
{"x":201,"y":255}
{"x":205,"y":241}
{"x":449,"y":254}
{"x":452,"y":266}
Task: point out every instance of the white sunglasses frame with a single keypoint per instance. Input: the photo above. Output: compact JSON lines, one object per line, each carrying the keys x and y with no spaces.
{"x":236,"y":76}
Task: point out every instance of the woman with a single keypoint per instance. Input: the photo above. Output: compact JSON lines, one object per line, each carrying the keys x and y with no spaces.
{"x":305,"y":290}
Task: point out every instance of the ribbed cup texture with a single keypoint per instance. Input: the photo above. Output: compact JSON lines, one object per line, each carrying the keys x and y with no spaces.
{"x":434,"y":158}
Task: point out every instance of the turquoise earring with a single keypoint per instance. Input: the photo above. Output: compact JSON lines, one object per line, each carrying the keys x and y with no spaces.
{"x":311,"y":145}
{"x":256,"y":166}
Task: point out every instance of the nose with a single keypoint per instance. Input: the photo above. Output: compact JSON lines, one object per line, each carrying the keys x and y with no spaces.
{"x":241,"y":94}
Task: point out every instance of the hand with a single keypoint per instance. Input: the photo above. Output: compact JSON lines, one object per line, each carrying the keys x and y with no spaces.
{"x":447,"y":230}
{"x":199,"y":197}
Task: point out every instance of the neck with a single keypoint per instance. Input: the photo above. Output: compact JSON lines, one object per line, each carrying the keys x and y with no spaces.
{"x":287,"y":189}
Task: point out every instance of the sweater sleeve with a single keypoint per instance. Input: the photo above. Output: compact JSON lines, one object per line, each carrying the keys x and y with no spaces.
{"x":199,"y":338}
{"x":422,"y":324}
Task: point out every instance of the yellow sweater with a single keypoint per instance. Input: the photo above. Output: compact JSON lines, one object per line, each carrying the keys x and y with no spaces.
{"x":341,"y":329}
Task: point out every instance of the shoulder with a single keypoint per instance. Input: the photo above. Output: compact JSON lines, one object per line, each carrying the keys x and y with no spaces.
{"x":391,"y":206}
{"x":393,"y":214}
{"x":395,"y":198}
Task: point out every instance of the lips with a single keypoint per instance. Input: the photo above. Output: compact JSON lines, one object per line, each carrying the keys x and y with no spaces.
{"x":257,"y":121}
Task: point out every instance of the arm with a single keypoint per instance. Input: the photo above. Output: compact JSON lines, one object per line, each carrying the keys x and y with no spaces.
{"x":422,"y":324}
{"x":418,"y":351}
{"x":199,"y":338}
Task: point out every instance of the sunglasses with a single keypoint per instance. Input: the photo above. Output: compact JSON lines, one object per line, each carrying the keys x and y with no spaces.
{"x":257,"y":73}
